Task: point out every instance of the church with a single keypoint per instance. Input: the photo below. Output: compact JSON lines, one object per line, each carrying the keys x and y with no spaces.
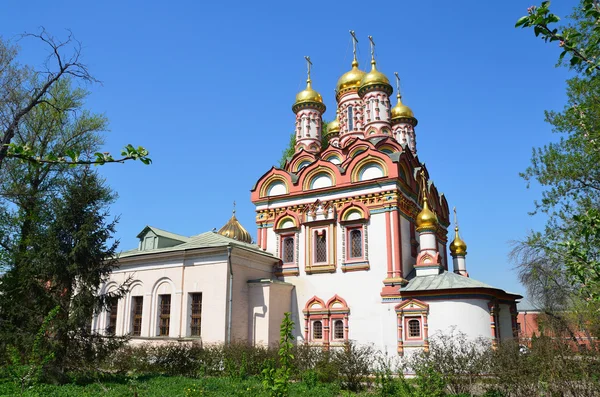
{"x":352,"y":240}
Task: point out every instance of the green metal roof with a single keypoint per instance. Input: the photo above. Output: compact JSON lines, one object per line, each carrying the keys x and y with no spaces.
{"x":164,"y":233}
{"x":204,"y":240}
{"x":443,"y":281}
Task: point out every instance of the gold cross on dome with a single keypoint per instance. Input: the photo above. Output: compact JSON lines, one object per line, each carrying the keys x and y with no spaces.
{"x":308,"y":64}
{"x":397,"y":82}
{"x":372,"y":47}
{"x":354,"y":43}
{"x":455,"y":217}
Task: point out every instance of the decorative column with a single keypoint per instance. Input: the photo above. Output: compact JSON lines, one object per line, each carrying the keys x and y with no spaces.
{"x":400,"y":333}
{"x":494,"y":309}
{"x":513,"y":316}
{"x":425,"y":333}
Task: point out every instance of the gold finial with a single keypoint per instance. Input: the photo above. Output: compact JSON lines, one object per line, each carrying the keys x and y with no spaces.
{"x":398,"y":86}
{"x":372,"y":50}
{"x":234,"y":207}
{"x":354,"y":43}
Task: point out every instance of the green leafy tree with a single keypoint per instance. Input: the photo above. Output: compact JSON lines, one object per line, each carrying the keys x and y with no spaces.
{"x":568,"y":170}
{"x":72,"y":257}
{"x":24,"y":89}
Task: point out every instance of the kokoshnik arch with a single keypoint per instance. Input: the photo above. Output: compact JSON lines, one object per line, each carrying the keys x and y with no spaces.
{"x":352,"y":239}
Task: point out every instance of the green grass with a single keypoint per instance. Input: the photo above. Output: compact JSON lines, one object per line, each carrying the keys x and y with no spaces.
{"x":171,"y":386}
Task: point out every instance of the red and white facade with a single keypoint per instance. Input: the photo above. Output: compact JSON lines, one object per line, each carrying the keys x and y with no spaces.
{"x":343,"y":221}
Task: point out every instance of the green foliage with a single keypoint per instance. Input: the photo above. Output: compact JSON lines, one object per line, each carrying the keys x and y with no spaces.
{"x":65,"y":262}
{"x":28,"y":95}
{"x":29,"y":370}
{"x":453,"y":361}
{"x":276,"y":379}
{"x":568,"y":170}
{"x":580,"y":42}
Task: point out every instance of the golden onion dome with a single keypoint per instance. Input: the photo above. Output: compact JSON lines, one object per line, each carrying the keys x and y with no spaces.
{"x":333,"y":127}
{"x":308,"y":96}
{"x":426,"y":218}
{"x":401,"y":111}
{"x":375,"y":78}
{"x":233,"y":229}
{"x":350,"y":80}
{"x":458,"y":246}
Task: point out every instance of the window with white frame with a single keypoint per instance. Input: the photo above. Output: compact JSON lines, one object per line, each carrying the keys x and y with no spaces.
{"x":136,"y":318}
{"x":196,"y":314}
{"x":164,"y":319}
{"x":317,"y":330}
{"x":111,"y":324}
{"x":338,"y":329}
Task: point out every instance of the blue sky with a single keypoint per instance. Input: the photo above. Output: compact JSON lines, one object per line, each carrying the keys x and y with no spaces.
{"x":207,"y":87}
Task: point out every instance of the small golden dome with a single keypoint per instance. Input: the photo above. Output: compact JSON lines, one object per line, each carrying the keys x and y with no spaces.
{"x":401,"y":111}
{"x":333,"y":127}
{"x":308,"y":94}
{"x":350,"y":80}
{"x":426,"y":218}
{"x":233,"y":229}
{"x":458,"y":246}
{"x":375,"y":77}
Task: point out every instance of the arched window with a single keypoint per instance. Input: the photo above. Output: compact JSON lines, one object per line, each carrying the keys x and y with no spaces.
{"x":356,"y":243}
{"x":350,"y":119}
{"x":320,"y":246}
{"x":338,"y":329}
{"x":287,"y":249}
{"x":414,"y":328}
{"x":111,"y":325}
{"x":317,"y":330}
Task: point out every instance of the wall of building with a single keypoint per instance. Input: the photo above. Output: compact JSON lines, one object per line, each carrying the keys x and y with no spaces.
{"x":246,"y":266}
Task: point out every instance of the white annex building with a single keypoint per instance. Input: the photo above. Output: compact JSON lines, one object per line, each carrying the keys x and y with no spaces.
{"x":352,"y":239}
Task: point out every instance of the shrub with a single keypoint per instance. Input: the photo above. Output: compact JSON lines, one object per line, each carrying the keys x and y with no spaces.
{"x":457,"y":360}
{"x":355,"y":364}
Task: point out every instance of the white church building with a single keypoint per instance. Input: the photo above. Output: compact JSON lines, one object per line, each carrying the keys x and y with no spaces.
{"x":352,"y":239}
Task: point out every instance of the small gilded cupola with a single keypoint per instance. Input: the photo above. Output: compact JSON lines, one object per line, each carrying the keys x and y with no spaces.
{"x":333,"y":133}
{"x":233,"y":229}
{"x":403,"y":121}
{"x":428,"y":261}
{"x":458,"y":251}
{"x":375,"y":90}
{"x":309,"y":109}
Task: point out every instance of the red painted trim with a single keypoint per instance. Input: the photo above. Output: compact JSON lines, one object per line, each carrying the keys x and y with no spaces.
{"x":349,"y":206}
{"x":259,"y":237}
{"x":286,"y":214}
{"x":388,"y":234}
{"x":397,"y":244}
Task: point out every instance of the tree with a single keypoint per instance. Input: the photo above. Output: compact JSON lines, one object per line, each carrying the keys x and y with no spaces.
{"x":569,"y":170}
{"x":24,"y":89}
{"x":69,"y":260}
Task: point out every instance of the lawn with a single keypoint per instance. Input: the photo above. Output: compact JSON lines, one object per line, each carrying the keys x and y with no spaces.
{"x":171,"y":386}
